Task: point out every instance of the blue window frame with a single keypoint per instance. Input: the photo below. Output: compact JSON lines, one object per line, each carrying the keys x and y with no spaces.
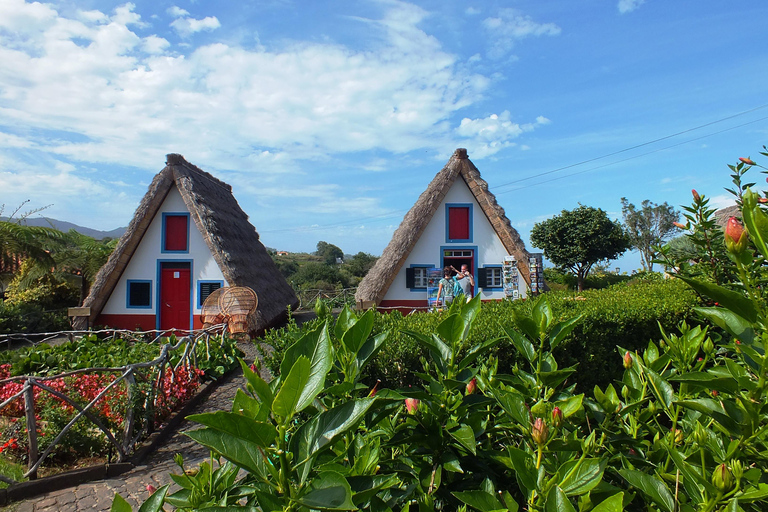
{"x":165,"y":241}
{"x":138,"y":294}
{"x":462,"y":214}
{"x":205,"y":288}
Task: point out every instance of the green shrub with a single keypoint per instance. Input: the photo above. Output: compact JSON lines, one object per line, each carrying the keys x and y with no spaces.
{"x":625,"y":314}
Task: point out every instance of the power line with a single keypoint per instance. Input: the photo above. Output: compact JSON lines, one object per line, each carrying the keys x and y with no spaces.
{"x":635,"y":147}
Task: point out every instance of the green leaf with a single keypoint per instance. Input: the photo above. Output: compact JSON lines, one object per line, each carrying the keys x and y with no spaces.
{"x":466,"y":437}
{"x":330,"y":491}
{"x":557,"y":377}
{"x":561,"y":330}
{"x":236,"y":425}
{"x":571,"y":405}
{"x":120,"y":505}
{"x":526,"y":325}
{"x":663,"y":391}
{"x":708,"y":381}
{"x":364,"y":487}
{"x":756,"y":222}
{"x":522,"y":344}
{"x":478,"y":350}
{"x":294,"y":386}
{"x":344,"y":321}
{"x":438,"y":350}
{"x":525,"y":468}
{"x":760,"y":493}
{"x":729,"y":299}
{"x":480,"y":500}
{"x":614,"y":503}
{"x":693,"y":482}
{"x":324,"y":429}
{"x":652,"y":487}
{"x":557,"y":501}
{"x":315,"y":346}
{"x":357,"y":334}
{"x":259,"y":385}
{"x":734,"y":324}
{"x":370,"y":348}
{"x":715,"y":411}
{"x":580,"y":476}
{"x":155,"y":502}
{"x":513,"y":404}
{"x":452,"y":329}
{"x":245,"y":454}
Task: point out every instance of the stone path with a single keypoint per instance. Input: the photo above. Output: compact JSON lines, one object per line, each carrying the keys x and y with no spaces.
{"x":154,"y":470}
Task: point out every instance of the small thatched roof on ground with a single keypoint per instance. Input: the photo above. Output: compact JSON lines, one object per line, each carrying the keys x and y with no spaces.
{"x":378,"y":280}
{"x":233,"y":241}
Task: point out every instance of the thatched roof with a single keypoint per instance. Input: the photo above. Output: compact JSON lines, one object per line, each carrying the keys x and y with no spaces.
{"x":233,"y":241}
{"x":722,"y":215}
{"x":378,"y":280}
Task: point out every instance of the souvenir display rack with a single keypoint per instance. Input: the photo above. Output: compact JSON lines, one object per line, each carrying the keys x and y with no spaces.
{"x":537,"y":272}
{"x":510,"y":277}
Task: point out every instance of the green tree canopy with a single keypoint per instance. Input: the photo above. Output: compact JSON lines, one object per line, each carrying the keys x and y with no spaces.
{"x":328,"y":252}
{"x":648,"y":227}
{"x":359,"y":264}
{"x":577,"y":239}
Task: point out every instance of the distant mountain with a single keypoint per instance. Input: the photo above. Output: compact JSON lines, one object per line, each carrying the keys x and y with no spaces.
{"x":65,"y":226}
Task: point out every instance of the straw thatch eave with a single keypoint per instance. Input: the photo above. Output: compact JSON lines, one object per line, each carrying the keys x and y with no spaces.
{"x":232,"y":240}
{"x":374,"y":286}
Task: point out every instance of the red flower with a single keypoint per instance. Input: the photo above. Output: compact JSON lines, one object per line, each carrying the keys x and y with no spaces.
{"x":735,"y":236}
{"x":411,"y":405}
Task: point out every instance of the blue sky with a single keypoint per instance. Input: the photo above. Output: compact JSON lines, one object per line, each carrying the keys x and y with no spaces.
{"x":330,"y":118}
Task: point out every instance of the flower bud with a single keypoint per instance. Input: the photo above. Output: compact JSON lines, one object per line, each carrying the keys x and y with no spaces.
{"x":151,"y":488}
{"x":628,"y":362}
{"x":700,"y":435}
{"x":722,"y":478}
{"x":557,"y":417}
{"x":696,"y":196}
{"x":735,"y":236}
{"x":737,"y":468}
{"x":471,"y":386}
{"x":679,"y":225}
{"x":375,"y":389}
{"x":677,"y":435}
{"x":539,"y":431}
{"x":652,"y":407}
{"x":708,"y":347}
{"x":747,"y":161}
{"x":411,"y":405}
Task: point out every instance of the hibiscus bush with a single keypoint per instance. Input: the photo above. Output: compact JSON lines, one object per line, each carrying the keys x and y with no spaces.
{"x":682,"y":429}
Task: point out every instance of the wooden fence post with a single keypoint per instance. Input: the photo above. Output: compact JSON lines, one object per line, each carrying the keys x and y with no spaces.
{"x":29,"y":408}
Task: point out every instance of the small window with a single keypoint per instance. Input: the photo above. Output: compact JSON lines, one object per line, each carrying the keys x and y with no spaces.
{"x":416,"y":278}
{"x":493,"y":277}
{"x":139,"y":294}
{"x":175,"y":232}
{"x":458,"y":222}
{"x":205,"y":288}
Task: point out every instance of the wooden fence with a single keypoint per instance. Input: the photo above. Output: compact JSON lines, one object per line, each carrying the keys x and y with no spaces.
{"x":334,"y":298}
{"x":157,"y":368}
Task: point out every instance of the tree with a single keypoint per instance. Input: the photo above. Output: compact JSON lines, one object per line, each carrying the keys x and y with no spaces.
{"x":648,"y":227}
{"x":577,"y":239}
{"x":359,"y":264}
{"x":328,"y":252}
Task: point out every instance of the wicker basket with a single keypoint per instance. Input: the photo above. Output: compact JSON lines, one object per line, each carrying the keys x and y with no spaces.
{"x":211,"y":313}
{"x":237,"y":303}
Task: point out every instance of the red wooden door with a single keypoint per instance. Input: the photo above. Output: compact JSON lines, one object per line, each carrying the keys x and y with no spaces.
{"x":175,"y":305}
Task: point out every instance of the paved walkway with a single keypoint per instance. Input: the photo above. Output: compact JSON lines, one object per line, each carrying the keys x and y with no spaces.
{"x":155,"y":469}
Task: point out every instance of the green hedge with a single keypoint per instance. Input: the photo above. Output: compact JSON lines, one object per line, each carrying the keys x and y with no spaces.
{"x":627,"y":314}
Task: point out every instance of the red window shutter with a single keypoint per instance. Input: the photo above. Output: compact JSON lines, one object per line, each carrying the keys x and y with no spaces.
{"x":176,"y":233}
{"x":458,"y":223}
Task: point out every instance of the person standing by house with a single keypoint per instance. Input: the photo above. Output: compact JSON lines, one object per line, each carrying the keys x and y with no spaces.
{"x":447,"y":287}
{"x":466,"y":281}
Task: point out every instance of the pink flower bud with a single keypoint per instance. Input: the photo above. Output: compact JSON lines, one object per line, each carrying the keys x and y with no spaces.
{"x":680,"y":226}
{"x":151,"y":488}
{"x":539,"y":431}
{"x":557,"y":417}
{"x":735,"y":236}
{"x":471,"y":386}
{"x":411,"y":405}
{"x":628,"y":362}
{"x":375,"y":389}
{"x":696,"y":196}
{"x":747,"y":161}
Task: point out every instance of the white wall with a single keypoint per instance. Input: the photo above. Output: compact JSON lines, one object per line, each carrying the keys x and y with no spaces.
{"x":488,"y":247}
{"x":143,"y":264}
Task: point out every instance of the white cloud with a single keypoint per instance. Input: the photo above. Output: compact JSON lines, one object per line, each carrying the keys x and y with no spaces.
{"x":471,"y":11}
{"x":177,"y":12}
{"x":188,"y":26}
{"x":626,"y":6}
{"x":154,"y":44}
{"x":721,"y":201}
{"x":511,"y":26}
{"x":494,"y":133}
